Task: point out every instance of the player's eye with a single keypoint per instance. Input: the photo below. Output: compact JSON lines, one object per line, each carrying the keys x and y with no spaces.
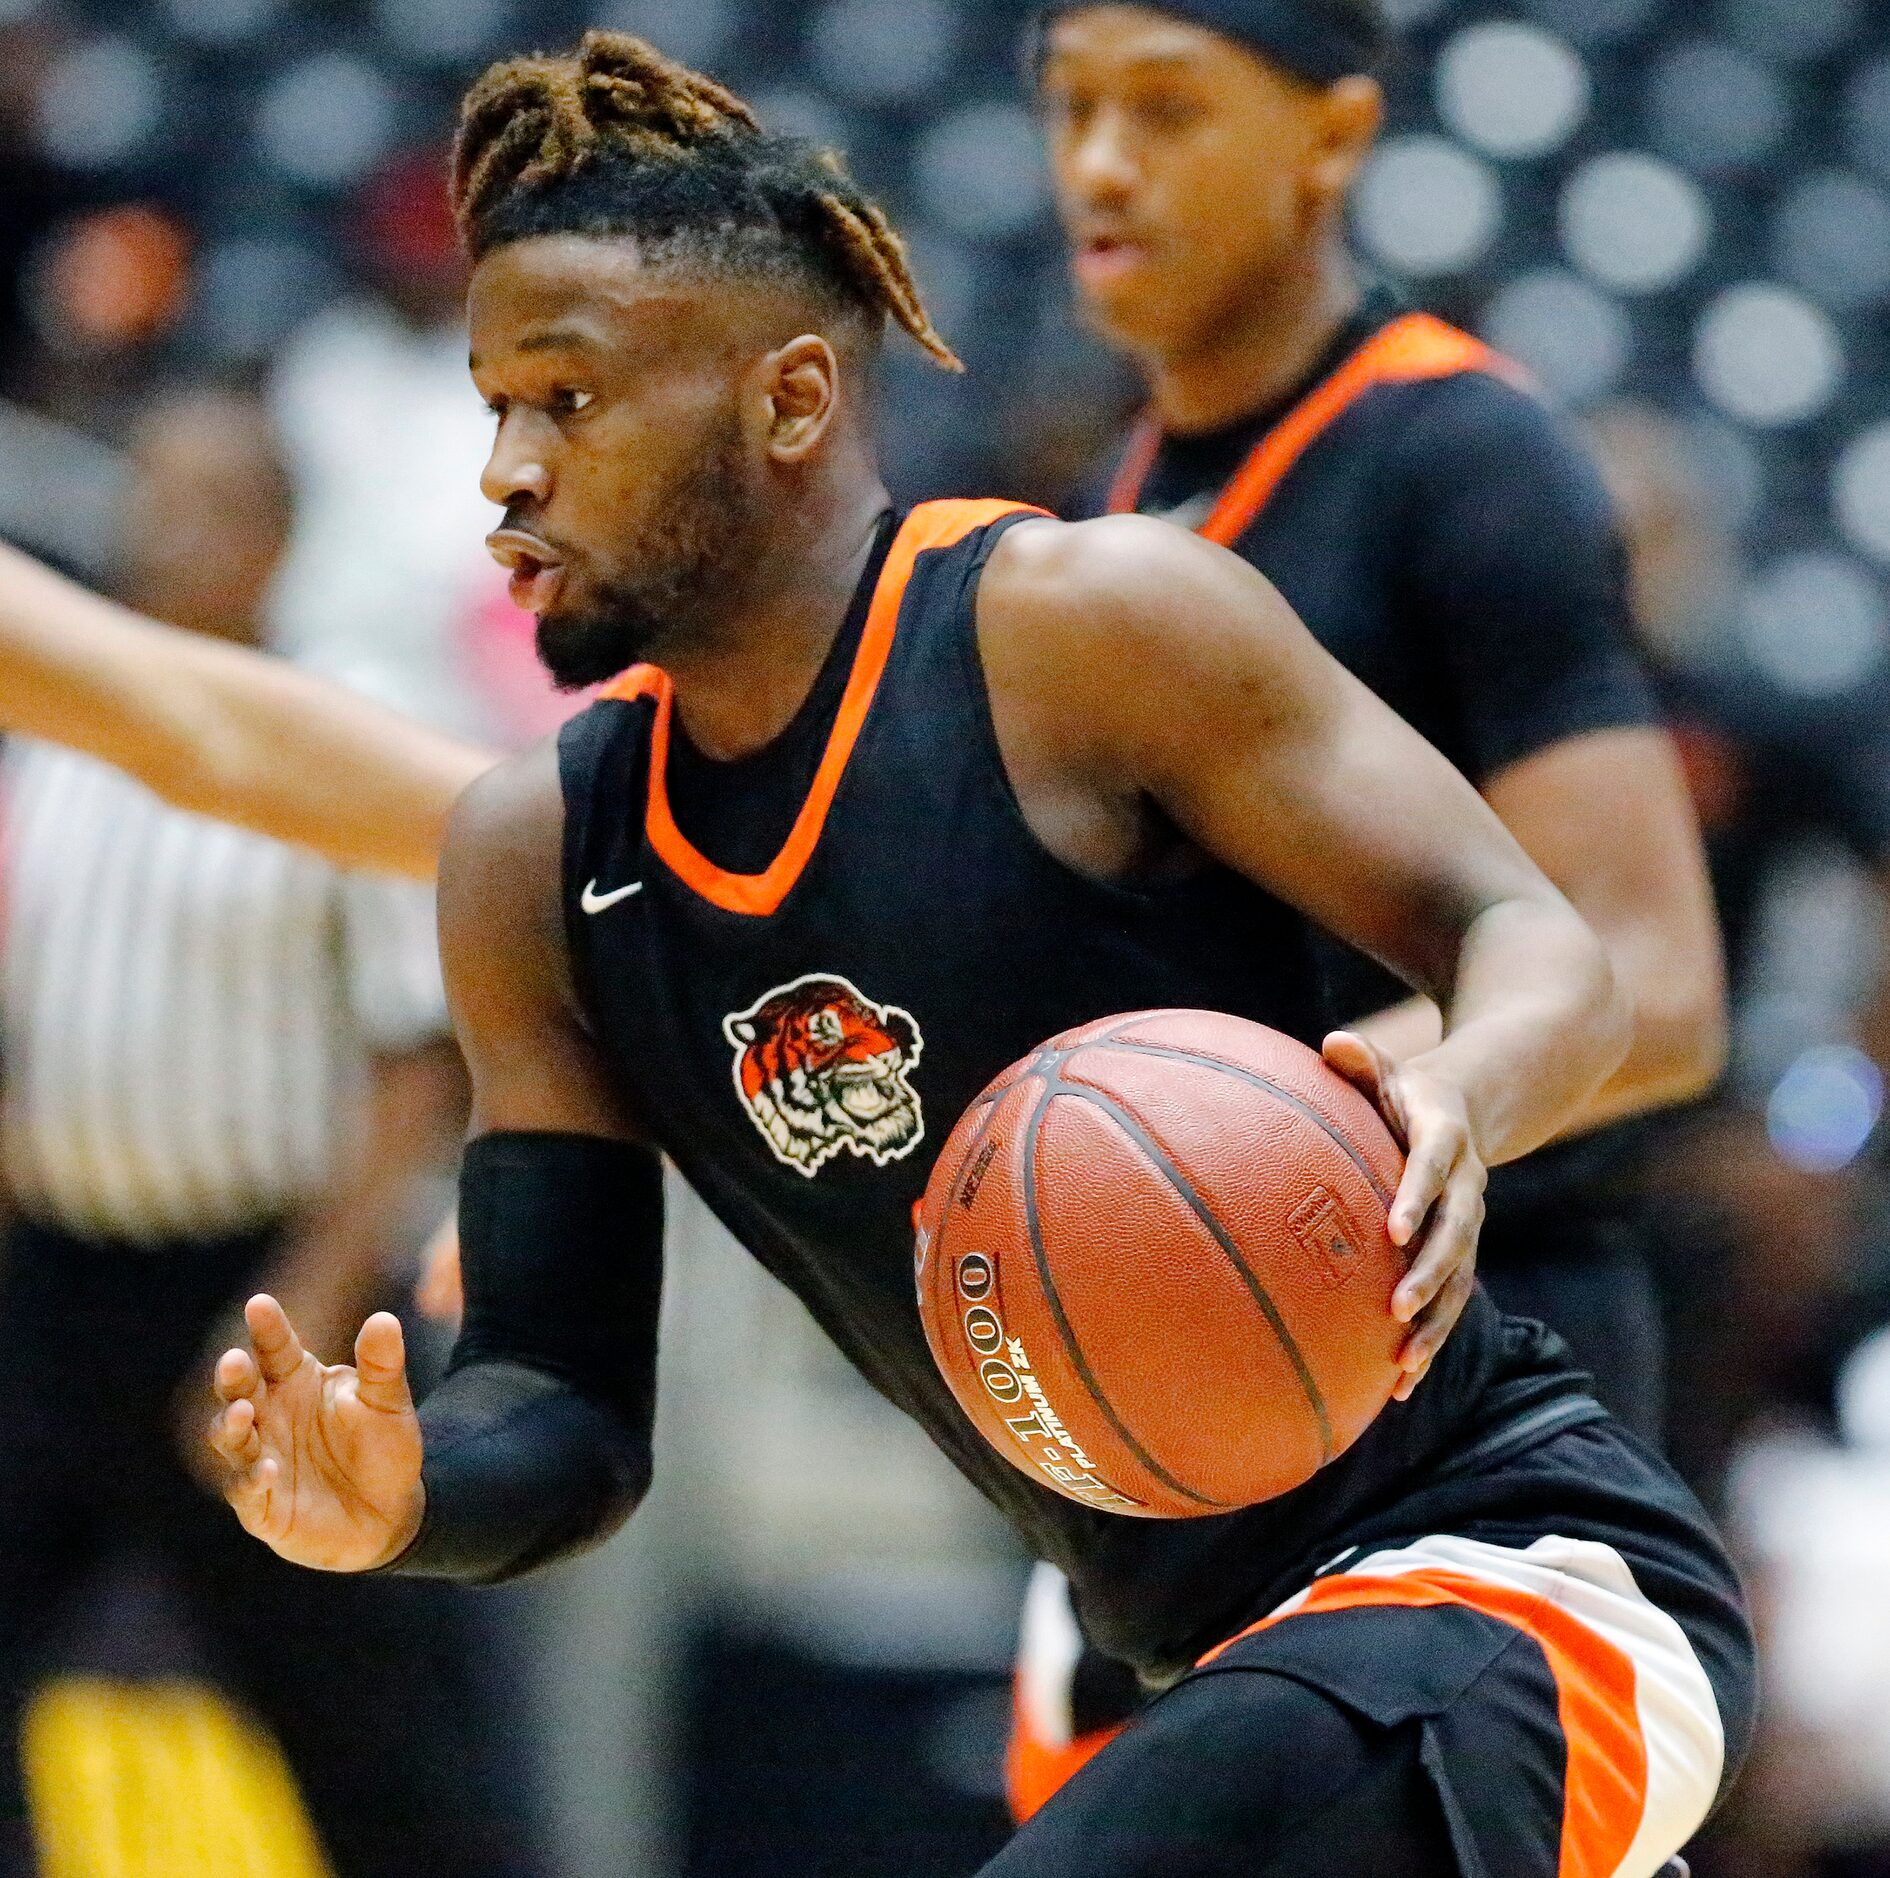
{"x":1168,"y":112}
{"x":568,"y":401}
{"x":495,"y":407}
{"x":1071,"y":111}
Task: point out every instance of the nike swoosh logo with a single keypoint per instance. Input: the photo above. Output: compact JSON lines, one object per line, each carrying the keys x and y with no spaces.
{"x":594,"y":902}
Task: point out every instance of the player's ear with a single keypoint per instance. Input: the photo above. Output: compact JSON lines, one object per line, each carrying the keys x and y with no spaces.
{"x":1350,"y":114}
{"x":801,"y":388}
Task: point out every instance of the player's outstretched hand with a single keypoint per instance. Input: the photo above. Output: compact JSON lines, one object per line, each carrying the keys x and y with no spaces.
{"x":324,"y":1458}
{"x":1438,"y":1210}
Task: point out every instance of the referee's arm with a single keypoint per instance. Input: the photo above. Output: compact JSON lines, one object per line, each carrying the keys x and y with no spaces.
{"x":222,"y":730}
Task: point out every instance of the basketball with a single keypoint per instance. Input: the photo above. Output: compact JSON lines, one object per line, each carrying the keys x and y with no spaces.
{"x":1153,"y":1264}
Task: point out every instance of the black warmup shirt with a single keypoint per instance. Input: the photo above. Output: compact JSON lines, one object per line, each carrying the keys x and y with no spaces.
{"x":828,"y":949}
{"x":1446,"y":540}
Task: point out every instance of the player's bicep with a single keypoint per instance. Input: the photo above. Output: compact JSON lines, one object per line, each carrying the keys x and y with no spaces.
{"x":1274,"y":759}
{"x":534,"y":1067}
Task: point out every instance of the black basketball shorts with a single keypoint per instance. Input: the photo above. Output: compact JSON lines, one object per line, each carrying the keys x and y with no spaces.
{"x":1451,"y":1708}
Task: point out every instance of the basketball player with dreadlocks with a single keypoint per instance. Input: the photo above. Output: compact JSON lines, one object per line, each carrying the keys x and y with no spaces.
{"x":1446,"y":540}
{"x":777,"y":907}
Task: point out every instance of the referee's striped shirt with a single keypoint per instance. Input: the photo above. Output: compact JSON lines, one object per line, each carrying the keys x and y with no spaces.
{"x":185,"y":1009}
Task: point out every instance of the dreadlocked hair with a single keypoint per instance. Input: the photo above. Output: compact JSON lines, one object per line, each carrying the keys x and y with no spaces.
{"x":617,"y":140}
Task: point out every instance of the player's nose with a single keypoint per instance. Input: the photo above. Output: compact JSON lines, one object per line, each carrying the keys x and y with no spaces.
{"x":1100,"y":170}
{"x":518,"y":469}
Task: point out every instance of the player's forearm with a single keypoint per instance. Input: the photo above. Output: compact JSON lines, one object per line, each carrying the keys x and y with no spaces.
{"x":225,"y":731}
{"x":519,"y":1469}
{"x":1536,"y":1025}
{"x":1678,"y":1049}
{"x":537,"y":1445}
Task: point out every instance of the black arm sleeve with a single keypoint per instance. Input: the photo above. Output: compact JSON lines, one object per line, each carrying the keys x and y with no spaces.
{"x":537,"y":1444}
{"x":1511,"y":558}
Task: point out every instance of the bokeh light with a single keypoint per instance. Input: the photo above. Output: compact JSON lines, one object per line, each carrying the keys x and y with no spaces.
{"x":980,"y":171}
{"x":1825,"y":1108}
{"x":1571,"y":336}
{"x":1831,"y":236}
{"x":1512,"y":90}
{"x":100,"y":103}
{"x":1594,"y":23}
{"x":1816,"y":624}
{"x":325,"y":120}
{"x":1713,"y":107}
{"x":883,"y":49}
{"x":1635,"y":223}
{"x":695,"y":31}
{"x":1767,"y":356}
{"x":1427,"y":206}
{"x":1861,"y":492}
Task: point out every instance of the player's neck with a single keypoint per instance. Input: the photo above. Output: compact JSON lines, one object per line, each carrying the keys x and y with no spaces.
{"x":1250,"y":363}
{"x":738,"y":692}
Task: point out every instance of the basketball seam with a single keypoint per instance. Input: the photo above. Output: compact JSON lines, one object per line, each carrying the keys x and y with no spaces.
{"x":1165,"y":1166}
{"x":1033,"y":1223}
{"x":1251,"y":1077}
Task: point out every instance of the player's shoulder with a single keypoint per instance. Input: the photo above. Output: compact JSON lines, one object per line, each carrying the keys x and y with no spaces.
{"x":1113,"y":579}
{"x":1491,"y":419}
{"x":1112,"y":630}
{"x":514,"y":800}
{"x":505,"y":837}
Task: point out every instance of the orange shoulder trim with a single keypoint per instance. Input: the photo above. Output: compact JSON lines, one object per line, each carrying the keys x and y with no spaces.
{"x":931,"y":525}
{"x":1605,"y":1786}
{"x":1416,"y":347}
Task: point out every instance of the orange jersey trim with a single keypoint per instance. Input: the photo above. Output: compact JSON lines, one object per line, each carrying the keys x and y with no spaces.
{"x":931,"y":525}
{"x":1036,"y":1771}
{"x":1605,"y":1787}
{"x":1416,"y":347}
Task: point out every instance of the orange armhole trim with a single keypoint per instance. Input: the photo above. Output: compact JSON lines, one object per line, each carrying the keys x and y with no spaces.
{"x":931,"y":525}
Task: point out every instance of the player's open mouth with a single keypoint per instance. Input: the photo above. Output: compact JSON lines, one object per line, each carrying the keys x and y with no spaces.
{"x":537,"y":570}
{"x":1101,"y":260}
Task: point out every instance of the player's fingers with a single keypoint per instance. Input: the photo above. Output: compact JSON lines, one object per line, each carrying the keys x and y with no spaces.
{"x":380,"y":1365}
{"x":279,"y":1350}
{"x":1449,"y":1243}
{"x":234,"y":1434}
{"x":248,"y":1493}
{"x":1366,"y":1067}
{"x":236,"y":1376}
{"x":1435,"y":1152}
{"x":1433,"y":1329}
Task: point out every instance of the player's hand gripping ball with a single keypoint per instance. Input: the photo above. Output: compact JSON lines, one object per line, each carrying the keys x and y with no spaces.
{"x":1154,"y":1267}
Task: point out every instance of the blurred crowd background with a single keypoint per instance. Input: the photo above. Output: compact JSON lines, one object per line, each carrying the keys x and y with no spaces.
{"x":1676,"y":213}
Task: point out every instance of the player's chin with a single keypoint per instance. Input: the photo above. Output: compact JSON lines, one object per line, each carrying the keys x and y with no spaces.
{"x":580,"y":646}
{"x":1135,"y":309}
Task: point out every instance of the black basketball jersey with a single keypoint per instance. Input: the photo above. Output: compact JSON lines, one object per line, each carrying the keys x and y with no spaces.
{"x":1448,"y":543}
{"x":800,"y":1038}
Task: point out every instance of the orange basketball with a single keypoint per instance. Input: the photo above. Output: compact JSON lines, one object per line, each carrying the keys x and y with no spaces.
{"x":1154,"y":1268}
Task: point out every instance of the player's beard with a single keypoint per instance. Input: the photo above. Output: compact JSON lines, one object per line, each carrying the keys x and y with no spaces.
{"x":687,"y":564}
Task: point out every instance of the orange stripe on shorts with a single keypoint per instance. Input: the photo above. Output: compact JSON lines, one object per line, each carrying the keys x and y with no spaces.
{"x":1605,"y":1787}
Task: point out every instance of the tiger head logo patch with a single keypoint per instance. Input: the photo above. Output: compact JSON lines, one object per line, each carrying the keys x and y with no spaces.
{"x":820,"y":1068}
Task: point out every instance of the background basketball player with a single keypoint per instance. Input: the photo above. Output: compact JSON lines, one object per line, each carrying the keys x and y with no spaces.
{"x":1443,"y":536}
